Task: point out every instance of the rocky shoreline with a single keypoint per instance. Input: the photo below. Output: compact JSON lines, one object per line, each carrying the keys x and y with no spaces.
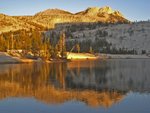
{"x":8,"y":59}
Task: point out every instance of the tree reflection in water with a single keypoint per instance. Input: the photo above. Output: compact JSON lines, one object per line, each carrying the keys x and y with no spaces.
{"x":97,"y":83}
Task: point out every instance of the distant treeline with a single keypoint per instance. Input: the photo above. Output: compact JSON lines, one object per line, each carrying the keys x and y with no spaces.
{"x":80,"y":26}
{"x":96,"y":46}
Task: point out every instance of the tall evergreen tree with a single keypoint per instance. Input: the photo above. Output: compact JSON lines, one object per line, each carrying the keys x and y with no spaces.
{"x":62,"y":46}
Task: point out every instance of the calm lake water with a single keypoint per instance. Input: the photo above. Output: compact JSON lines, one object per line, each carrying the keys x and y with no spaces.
{"x":112,"y":86}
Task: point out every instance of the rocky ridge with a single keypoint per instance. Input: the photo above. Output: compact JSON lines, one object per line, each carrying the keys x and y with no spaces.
{"x":48,"y":18}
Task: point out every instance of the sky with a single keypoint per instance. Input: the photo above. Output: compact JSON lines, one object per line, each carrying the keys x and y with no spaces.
{"x":131,"y":9}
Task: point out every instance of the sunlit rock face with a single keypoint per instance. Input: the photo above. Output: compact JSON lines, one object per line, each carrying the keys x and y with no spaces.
{"x":92,"y":14}
{"x":95,"y":11}
{"x":50,"y":17}
{"x":106,"y":9}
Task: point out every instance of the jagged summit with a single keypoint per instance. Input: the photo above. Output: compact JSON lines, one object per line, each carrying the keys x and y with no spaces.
{"x":106,"y":9}
{"x":95,"y":11}
{"x":118,"y":13}
{"x":91,"y":10}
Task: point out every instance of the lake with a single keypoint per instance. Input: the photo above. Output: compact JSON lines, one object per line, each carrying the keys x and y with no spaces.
{"x":110,"y":86}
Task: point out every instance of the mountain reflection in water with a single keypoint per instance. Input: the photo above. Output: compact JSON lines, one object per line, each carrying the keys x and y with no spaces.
{"x":96,"y":83}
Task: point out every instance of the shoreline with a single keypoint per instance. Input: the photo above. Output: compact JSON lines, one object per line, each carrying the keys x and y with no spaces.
{"x":5,"y":58}
{"x":88,"y":56}
{"x":124,"y":56}
{"x":8,"y":59}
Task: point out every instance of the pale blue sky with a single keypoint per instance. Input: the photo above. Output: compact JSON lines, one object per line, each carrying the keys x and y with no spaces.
{"x":132,"y":9}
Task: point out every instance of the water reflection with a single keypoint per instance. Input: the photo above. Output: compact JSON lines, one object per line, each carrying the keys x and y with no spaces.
{"x":96,"y":83}
{"x":118,"y":75}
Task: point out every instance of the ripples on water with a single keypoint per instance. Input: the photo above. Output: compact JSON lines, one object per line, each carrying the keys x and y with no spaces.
{"x":113,"y":86}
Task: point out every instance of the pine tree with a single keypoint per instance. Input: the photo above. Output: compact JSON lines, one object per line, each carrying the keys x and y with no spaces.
{"x":49,"y":48}
{"x":91,"y":50}
{"x":12,"y":40}
{"x":36,"y":43}
{"x":3,"y":46}
{"x":78,"y":48}
{"x":62,"y":46}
